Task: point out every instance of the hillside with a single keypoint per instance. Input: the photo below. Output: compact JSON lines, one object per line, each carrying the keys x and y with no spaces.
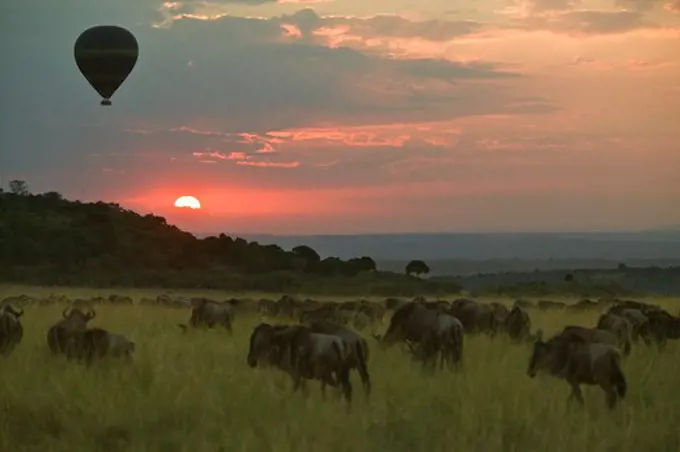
{"x":48,"y":240}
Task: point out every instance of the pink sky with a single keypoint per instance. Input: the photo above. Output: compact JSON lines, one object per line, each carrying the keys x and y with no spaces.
{"x":350,"y":116}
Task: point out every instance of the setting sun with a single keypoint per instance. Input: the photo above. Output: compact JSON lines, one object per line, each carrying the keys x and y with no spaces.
{"x":188,"y":201}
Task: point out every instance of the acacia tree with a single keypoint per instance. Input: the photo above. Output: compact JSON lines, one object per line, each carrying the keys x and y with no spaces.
{"x":18,"y":187}
{"x":417,"y":267}
{"x":311,"y":257}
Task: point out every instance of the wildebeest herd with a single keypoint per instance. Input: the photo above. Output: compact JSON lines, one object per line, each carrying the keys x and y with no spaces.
{"x":324,"y":344}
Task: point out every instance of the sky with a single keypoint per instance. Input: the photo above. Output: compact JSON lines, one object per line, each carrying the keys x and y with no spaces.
{"x":356,"y":116}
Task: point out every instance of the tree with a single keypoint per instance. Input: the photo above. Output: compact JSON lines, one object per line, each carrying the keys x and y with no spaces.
{"x":311,"y":257}
{"x":622,"y":267}
{"x":19,"y":187}
{"x":569,"y":277}
{"x":417,"y":268}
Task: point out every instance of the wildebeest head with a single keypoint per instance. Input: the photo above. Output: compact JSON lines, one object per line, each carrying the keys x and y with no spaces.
{"x":261,"y":344}
{"x":76,"y":317}
{"x":552,"y":355}
{"x":8,"y":310}
{"x":395,"y":331}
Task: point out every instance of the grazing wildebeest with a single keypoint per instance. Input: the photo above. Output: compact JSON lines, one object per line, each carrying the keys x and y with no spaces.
{"x":304,"y":355}
{"x":475,"y":317}
{"x":663,"y":326}
{"x":640,"y":322}
{"x":411,"y":321}
{"x":11,"y":331}
{"x":444,"y":338}
{"x":96,"y":343}
{"x":208,"y":313}
{"x":74,"y":320}
{"x":358,"y":348}
{"x":620,"y":327}
{"x":517,"y":324}
{"x":499,"y":310}
{"x":580,"y":362}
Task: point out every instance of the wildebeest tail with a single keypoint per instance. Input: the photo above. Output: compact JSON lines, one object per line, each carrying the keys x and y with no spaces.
{"x":617,"y":377}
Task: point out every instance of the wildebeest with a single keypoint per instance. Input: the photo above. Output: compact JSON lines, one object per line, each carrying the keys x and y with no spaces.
{"x":97,"y":343}
{"x":640,"y":322}
{"x":444,"y":338}
{"x":74,"y":320}
{"x":517,"y":324}
{"x":411,"y":321}
{"x":304,"y":355}
{"x":663,"y":326}
{"x":475,"y":317}
{"x":358,"y":348}
{"x":11,"y":331}
{"x":208,"y":313}
{"x":620,"y":327}
{"x":580,"y":362}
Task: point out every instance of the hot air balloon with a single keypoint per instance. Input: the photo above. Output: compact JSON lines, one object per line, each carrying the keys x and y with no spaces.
{"x":105,"y":55}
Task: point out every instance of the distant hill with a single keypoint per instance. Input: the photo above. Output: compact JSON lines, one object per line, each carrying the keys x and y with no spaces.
{"x":604,"y":246}
{"x":48,"y":240}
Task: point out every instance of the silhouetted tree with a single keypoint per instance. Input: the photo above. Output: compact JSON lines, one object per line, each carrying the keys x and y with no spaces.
{"x":569,"y":277}
{"x":311,"y":257}
{"x":18,"y":187}
{"x":417,"y":267}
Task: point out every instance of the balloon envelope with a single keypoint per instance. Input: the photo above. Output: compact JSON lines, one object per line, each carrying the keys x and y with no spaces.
{"x":105,"y":55}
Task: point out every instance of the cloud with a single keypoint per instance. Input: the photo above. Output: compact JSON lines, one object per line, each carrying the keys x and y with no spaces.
{"x":673,"y":6}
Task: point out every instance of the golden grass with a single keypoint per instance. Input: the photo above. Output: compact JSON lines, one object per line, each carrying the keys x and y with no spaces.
{"x":195,"y":393}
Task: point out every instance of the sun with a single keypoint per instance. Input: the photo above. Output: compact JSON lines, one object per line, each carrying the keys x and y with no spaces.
{"x":188,"y":201}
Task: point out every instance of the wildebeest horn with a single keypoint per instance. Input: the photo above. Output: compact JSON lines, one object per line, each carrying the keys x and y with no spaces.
{"x":64,"y":313}
{"x":91,"y":314}
{"x":377,"y":337}
{"x":15,"y":312}
{"x":183,"y":326}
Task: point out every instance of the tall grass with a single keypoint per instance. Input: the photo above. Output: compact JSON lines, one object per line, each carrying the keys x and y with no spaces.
{"x":194,"y":392}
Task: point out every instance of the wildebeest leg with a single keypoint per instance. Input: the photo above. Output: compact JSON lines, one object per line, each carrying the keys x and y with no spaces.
{"x":661,"y":342}
{"x":576,"y":393}
{"x":610,"y":396}
{"x":323,"y":389}
{"x":626,"y":348}
{"x":345,"y":384}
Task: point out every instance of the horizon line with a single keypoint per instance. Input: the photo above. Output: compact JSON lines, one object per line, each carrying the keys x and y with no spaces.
{"x":388,"y":234}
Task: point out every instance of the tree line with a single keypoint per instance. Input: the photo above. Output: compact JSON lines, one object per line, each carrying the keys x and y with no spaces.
{"x":47,"y":238}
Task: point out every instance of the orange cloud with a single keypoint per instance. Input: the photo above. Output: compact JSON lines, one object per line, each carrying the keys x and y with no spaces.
{"x":269,"y":164}
{"x":291,"y":31}
{"x":673,"y":7}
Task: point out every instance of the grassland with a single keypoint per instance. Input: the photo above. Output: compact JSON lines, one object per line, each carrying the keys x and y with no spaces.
{"x":195,"y":393}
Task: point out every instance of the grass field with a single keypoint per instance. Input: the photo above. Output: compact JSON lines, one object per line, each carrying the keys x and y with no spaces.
{"x":195,"y":393}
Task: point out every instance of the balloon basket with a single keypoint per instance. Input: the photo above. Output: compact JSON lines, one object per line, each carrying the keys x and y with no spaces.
{"x":106,"y":102}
